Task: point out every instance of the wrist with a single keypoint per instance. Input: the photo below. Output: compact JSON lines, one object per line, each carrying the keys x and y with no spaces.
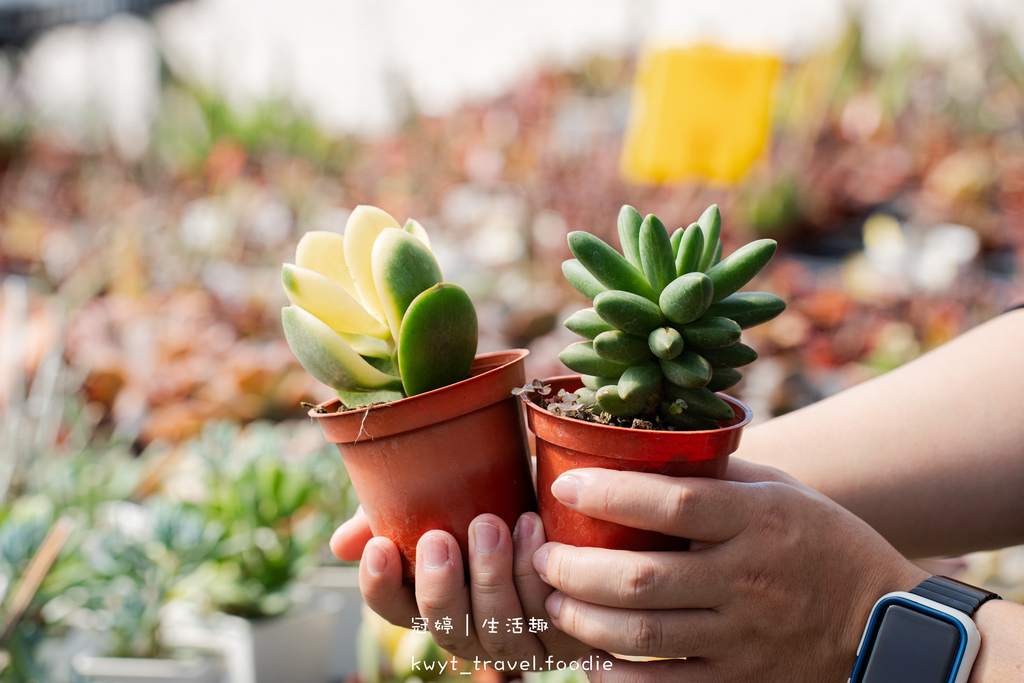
{"x":1001,"y":658}
{"x":902,"y":575}
{"x":929,"y":632}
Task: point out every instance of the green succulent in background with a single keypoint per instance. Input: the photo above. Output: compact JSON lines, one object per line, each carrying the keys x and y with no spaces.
{"x":272,"y":509}
{"x":664,"y":331}
{"x":140,"y":558}
{"x":371,"y":316}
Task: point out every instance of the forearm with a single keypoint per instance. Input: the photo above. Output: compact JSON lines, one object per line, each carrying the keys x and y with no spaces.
{"x":930,"y":454}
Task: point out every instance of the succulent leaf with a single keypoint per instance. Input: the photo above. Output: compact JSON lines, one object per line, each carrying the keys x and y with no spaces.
{"x":594,"y":382}
{"x":734,"y":356}
{"x":687,"y":297}
{"x":414,"y":228}
{"x":369,"y":347}
{"x":711,"y":333}
{"x":327,"y":357}
{"x":361,"y":231}
{"x":739,"y":267}
{"x":688,"y":369}
{"x":640,"y":382}
{"x":324,"y":252}
{"x":702,"y":402}
{"x":328,"y":301}
{"x":587,"y":323}
{"x":691,"y":248}
{"x":710,"y":223}
{"x":581,"y":280}
{"x":438,"y":340}
{"x":608,"y":266}
{"x":402,"y":267}
{"x":675,"y":240}
{"x":582,"y":358}
{"x":628,"y":312}
{"x":656,"y":255}
{"x":619,"y":347}
{"x":666,"y":342}
{"x":629,"y":224}
{"x":748,"y":309}
{"x":724,"y":378}
{"x":609,"y":400}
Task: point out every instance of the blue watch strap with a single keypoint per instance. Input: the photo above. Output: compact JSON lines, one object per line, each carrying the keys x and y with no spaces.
{"x":952,"y":593}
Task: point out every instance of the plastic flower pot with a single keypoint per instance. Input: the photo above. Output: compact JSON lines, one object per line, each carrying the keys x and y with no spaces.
{"x":438,"y":459}
{"x":565,"y":444}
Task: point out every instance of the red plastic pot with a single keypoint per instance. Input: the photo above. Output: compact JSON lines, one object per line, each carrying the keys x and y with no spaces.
{"x":565,"y":443}
{"x":437,"y":460}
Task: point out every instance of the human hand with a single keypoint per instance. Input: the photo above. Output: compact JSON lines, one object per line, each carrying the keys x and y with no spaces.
{"x":776,"y":586}
{"x":502,"y":585}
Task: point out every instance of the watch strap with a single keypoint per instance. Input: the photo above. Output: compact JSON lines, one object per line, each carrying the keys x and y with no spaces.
{"x":953,"y":593}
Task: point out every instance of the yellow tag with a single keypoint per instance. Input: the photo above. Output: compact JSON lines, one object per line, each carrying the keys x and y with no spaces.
{"x":698,"y":111}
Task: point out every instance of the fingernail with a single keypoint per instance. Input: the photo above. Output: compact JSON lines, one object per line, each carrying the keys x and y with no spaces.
{"x":435,"y":553}
{"x":524,"y":528}
{"x":566,"y":489}
{"x":376,"y":560}
{"x":554,"y":604}
{"x":486,"y":537}
{"x":540,"y":562}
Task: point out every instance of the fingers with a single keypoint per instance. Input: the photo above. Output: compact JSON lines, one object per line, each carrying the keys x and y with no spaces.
{"x":380,"y":582}
{"x":644,"y":633}
{"x":350,"y":538}
{"x":501,"y":626}
{"x":608,"y":669}
{"x":442,"y":594}
{"x":707,"y":510}
{"x":635,"y":580}
{"x":527,"y":538}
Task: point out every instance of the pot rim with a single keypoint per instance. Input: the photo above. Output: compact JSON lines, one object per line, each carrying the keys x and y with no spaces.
{"x":628,"y":443}
{"x":491,"y":379}
{"x":747,"y":414}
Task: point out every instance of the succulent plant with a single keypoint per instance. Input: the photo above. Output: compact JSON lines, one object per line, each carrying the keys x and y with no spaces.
{"x":663,"y":334}
{"x":370,"y":315}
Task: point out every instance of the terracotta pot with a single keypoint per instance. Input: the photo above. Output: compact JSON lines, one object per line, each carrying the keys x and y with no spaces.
{"x":565,"y":443}
{"x":439,"y":459}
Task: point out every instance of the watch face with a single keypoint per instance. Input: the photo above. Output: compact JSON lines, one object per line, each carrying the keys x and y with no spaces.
{"x":912,"y":646}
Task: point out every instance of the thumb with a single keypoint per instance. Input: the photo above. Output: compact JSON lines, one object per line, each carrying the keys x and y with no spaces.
{"x":350,"y":538}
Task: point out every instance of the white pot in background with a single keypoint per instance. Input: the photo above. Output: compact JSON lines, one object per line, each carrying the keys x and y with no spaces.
{"x":90,"y":669}
{"x":343,"y":583}
{"x":296,"y":647}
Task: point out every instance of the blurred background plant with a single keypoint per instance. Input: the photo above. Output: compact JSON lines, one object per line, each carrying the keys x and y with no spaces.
{"x":277,"y":509}
{"x":139,"y":557}
{"x":142,"y":365}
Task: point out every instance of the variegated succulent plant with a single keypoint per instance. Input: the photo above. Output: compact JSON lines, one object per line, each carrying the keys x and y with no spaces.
{"x":371,"y":316}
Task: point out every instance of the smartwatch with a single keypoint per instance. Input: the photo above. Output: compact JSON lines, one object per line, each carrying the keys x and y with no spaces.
{"x":926,"y":635}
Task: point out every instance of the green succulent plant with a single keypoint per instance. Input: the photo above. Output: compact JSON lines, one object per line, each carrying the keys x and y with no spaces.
{"x":371,"y":316}
{"x":663,"y":334}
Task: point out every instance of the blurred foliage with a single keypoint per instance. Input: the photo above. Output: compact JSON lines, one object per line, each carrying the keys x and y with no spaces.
{"x":194,"y":125}
{"x":138,"y":562}
{"x":23,"y":527}
{"x":277,"y":510}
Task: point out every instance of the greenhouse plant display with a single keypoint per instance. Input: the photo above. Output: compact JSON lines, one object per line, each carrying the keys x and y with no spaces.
{"x":662,"y":338}
{"x":429,"y":431}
